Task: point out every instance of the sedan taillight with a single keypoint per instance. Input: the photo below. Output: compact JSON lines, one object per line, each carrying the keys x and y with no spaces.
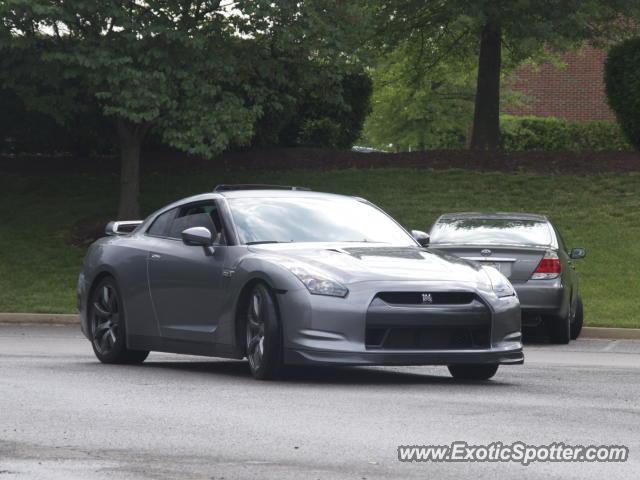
{"x":549,"y":267}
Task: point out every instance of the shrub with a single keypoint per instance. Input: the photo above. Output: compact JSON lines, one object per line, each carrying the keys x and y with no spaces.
{"x":308,"y":113}
{"x":322,"y":132}
{"x":28,"y":132}
{"x":622,"y":86}
{"x":554,"y":134}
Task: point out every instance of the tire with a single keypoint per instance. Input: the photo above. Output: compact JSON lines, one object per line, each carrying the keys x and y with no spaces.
{"x":473,"y":372}
{"x":578,"y":320}
{"x":107,"y":325}
{"x":560,"y":328}
{"x":263,"y":334}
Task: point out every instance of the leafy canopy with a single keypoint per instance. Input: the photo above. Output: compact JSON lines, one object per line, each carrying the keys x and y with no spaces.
{"x":444,"y":31}
{"x":414,"y":107}
{"x":198,"y":73}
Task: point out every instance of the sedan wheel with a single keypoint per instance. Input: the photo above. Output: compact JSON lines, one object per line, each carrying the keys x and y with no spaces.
{"x":263,"y":335}
{"x":560,"y":328}
{"x":106,"y":317}
{"x":578,"y":319}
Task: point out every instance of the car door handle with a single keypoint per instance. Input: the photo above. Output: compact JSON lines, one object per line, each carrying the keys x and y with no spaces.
{"x":155,"y":256}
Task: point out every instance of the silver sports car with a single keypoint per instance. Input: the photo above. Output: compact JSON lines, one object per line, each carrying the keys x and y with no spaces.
{"x":529,"y":250}
{"x":285,"y":276}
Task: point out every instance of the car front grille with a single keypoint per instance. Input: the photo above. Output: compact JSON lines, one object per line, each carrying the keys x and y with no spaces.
{"x":437,"y":298}
{"x":428,"y":338}
{"x":403,"y":321}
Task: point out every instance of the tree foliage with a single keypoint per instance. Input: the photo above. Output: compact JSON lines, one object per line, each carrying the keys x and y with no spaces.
{"x":197,"y":73}
{"x":524,"y":28}
{"x":326,"y":114}
{"x":27,"y":131}
{"x":417,"y":107}
{"x":622,"y":84}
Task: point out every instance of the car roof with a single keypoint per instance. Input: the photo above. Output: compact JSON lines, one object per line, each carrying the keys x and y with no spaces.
{"x":266,"y":192}
{"x":258,"y":193}
{"x":494,"y":215}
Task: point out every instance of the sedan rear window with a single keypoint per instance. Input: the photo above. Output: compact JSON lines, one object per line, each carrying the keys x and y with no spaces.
{"x":491,"y":231}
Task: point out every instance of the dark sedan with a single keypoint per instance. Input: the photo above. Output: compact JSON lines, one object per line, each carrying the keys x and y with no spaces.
{"x":529,"y":250}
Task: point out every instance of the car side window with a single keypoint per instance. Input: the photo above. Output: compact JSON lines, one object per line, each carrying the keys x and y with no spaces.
{"x":197,"y":215}
{"x":160,"y":225}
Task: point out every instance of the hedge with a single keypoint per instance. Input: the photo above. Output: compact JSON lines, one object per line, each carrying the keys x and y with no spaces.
{"x":549,"y":133}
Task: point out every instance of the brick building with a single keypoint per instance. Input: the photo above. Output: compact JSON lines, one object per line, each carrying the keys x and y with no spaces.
{"x":575,"y":92}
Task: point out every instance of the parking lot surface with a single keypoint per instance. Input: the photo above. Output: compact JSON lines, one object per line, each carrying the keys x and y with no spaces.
{"x":63,"y":415}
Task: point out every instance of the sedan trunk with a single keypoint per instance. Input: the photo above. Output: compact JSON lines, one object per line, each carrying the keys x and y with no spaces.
{"x":516,"y":263}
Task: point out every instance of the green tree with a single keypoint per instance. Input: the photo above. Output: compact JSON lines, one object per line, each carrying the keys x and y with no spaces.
{"x":415,"y":106}
{"x":622,"y":84}
{"x":524,"y":27}
{"x":197,"y":73}
{"x":321,"y":114}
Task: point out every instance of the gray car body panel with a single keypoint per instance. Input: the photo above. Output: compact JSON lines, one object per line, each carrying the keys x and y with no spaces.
{"x":186,"y":300}
{"x":551,"y":297}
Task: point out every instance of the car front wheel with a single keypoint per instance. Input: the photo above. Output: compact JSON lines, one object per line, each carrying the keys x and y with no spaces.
{"x":263,"y":334}
{"x":107,"y":320}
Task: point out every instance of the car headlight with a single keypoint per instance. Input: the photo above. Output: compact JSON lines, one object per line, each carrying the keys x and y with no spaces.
{"x":500,"y":285}
{"x":318,"y":282}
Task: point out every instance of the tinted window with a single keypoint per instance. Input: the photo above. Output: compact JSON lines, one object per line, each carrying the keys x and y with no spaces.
{"x":161,"y":223}
{"x":493,"y":231}
{"x":308,"y":219}
{"x":199,"y":215}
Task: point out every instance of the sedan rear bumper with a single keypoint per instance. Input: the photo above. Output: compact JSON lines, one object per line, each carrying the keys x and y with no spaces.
{"x":505,"y":356}
{"x":541,"y":296}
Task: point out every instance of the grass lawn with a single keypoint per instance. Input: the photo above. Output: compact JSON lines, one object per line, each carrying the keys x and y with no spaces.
{"x":38,"y":270}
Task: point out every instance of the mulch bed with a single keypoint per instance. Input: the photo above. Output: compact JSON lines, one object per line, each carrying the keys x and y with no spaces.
{"x":323,"y":159}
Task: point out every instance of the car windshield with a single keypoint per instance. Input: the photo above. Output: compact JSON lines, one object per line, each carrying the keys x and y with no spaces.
{"x":313,"y":219}
{"x":491,"y":231}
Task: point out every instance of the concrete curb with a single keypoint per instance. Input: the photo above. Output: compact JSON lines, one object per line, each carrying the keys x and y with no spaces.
{"x":40,"y":318}
{"x":611,"y":333}
{"x":604,"y":333}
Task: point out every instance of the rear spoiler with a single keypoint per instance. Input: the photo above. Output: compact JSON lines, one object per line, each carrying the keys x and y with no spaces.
{"x":121,"y":227}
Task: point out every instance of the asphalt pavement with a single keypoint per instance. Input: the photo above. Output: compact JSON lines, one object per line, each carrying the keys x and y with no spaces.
{"x":63,"y":415}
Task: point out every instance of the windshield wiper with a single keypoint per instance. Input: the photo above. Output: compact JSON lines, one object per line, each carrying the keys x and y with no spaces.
{"x":258,"y":242}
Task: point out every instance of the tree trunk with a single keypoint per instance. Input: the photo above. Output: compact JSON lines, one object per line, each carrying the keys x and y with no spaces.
{"x":486,"y":116}
{"x":130,"y":137}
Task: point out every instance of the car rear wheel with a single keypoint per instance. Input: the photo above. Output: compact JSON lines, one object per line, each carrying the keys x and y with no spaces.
{"x":107,"y":320}
{"x":263,"y":334}
{"x":473,"y":372}
{"x":578,"y":320}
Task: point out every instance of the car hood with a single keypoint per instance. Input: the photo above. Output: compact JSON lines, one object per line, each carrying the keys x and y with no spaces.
{"x":358,"y":262}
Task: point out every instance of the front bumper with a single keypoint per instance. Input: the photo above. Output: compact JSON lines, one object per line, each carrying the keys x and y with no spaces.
{"x":334,"y":331}
{"x":506,"y":356}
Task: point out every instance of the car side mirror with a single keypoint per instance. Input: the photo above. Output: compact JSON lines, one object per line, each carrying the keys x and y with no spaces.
{"x":421,"y":237}
{"x":197,"y":236}
{"x":578,"y":253}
